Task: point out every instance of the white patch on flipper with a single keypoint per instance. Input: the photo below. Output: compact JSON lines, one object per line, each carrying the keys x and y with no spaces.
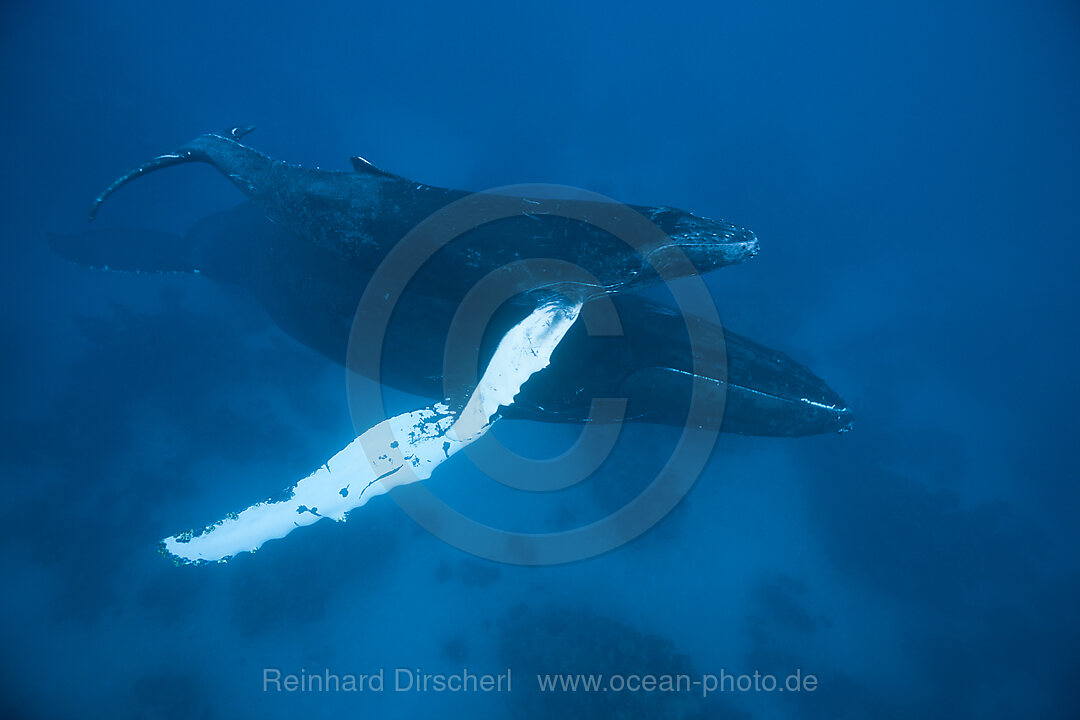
{"x":404,"y":449}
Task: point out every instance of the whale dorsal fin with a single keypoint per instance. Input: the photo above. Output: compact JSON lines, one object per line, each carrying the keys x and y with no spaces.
{"x":361,"y":165}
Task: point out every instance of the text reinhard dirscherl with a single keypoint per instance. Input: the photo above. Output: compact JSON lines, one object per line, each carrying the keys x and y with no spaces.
{"x":415,"y":680}
{"x":396,"y":680}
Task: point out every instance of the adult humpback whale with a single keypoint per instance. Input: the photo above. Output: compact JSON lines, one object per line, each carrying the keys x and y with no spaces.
{"x":312,"y":295}
{"x":357,"y":218}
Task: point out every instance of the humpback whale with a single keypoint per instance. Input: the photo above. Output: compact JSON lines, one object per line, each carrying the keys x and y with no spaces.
{"x":312,"y":295}
{"x":359,"y":216}
{"x":328,"y":233}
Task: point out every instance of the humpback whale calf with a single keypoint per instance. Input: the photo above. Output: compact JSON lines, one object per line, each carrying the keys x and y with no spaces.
{"x":329,"y":231}
{"x":359,"y":216}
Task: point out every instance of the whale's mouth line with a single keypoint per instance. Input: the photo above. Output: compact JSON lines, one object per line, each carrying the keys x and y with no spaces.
{"x":749,"y":247}
{"x":705,"y":244}
{"x":739,"y":247}
{"x":841,"y":409}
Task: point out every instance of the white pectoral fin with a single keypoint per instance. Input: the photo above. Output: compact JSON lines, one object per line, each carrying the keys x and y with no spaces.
{"x":404,"y":449}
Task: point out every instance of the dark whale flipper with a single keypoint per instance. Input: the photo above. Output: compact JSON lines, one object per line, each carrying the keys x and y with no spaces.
{"x":128,"y":250}
{"x":223,"y":151}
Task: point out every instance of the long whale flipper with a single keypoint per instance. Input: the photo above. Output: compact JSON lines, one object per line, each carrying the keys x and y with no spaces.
{"x":404,"y":449}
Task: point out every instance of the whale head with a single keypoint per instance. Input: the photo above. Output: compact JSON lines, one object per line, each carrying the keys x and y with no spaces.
{"x":708,"y":244}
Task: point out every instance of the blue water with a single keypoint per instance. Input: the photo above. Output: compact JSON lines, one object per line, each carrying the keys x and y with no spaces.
{"x":912,"y":172}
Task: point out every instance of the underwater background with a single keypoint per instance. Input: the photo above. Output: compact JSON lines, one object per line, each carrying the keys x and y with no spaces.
{"x":912,"y":171}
